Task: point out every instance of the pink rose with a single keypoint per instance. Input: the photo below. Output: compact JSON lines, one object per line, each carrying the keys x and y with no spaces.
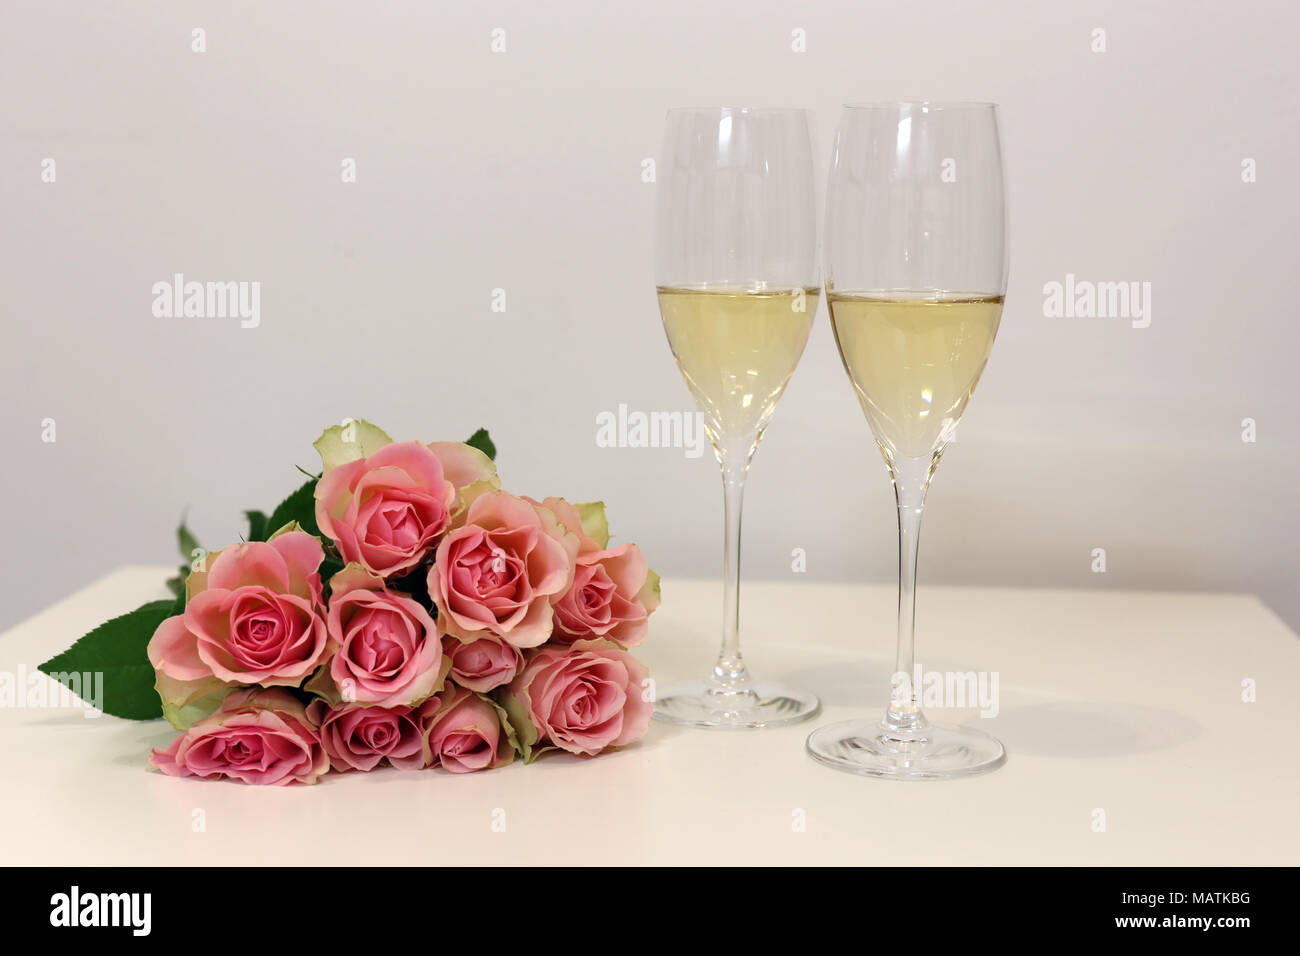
{"x":388,"y":652}
{"x":612,"y":595}
{"x":570,"y":516}
{"x":582,"y":698}
{"x":469,"y":470}
{"x":467,"y":732}
{"x":483,"y":663}
{"x":255,"y":736}
{"x":499,"y":572}
{"x":183,"y":680}
{"x":251,"y":618}
{"x":359,"y":738}
{"x":386,"y":511}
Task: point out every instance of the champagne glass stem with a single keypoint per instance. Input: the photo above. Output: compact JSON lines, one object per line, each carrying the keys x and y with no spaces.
{"x":729,"y":673}
{"x":911,"y":481}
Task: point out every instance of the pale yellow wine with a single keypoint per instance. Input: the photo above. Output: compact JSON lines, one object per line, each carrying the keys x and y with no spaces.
{"x":737,"y":349}
{"x":914,"y":360}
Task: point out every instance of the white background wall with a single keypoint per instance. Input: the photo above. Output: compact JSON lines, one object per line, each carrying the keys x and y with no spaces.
{"x":522,"y":170}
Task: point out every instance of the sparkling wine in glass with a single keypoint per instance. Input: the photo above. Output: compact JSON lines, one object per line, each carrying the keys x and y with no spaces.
{"x":738,"y":288}
{"x":916,"y":270}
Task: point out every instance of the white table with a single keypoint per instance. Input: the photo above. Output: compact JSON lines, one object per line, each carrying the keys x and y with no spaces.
{"x":1128,"y":702}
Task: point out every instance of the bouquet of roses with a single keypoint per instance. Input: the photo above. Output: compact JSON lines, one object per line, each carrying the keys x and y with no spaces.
{"x":400,"y":609}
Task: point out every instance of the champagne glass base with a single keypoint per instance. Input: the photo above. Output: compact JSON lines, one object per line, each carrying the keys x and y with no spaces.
{"x":763,"y":704}
{"x":931,"y":753}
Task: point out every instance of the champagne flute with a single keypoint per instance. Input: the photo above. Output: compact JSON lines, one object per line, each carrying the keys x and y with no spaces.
{"x":737,"y":280}
{"x":916,"y":270}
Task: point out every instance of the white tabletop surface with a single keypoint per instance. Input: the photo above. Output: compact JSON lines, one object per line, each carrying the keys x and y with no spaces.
{"x":1126,"y":702}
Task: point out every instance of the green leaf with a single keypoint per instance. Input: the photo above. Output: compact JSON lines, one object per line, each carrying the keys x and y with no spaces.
{"x":177,"y":586}
{"x":186,"y":541}
{"x":330,"y":567}
{"x":118,"y":650}
{"x":483,"y":442}
{"x":300,"y":507}
{"x":257,"y":522}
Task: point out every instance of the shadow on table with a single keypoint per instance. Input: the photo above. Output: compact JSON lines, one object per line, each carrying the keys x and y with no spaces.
{"x":1086,"y":729}
{"x":138,"y":739}
{"x":129,"y":741}
{"x":1046,"y":727}
{"x":863,"y":686}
